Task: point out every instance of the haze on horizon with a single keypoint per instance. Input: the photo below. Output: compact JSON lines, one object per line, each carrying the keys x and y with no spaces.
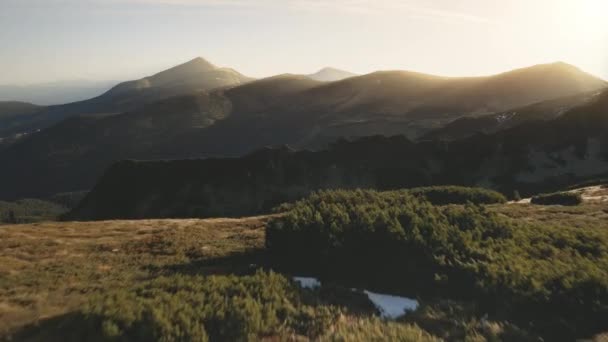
{"x":53,"y":40}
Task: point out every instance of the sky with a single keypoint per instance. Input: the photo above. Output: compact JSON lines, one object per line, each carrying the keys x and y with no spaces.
{"x":54,"y":40}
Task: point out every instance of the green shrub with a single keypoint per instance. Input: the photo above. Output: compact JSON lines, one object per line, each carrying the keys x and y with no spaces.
{"x":442,"y":195}
{"x":558,"y":198}
{"x":535,"y":273}
{"x":437,"y":195}
{"x":29,"y":210}
{"x":374,"y":329}
{"x":217,"y":308}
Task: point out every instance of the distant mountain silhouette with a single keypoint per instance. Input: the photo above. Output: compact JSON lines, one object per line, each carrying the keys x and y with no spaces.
{"x":10,"y":109}
{"x":191,"y":77}
{"x":532,"y":157}
{"x":328,"y":74}
{"x":286,"y":109}
{"x":54,"y":93}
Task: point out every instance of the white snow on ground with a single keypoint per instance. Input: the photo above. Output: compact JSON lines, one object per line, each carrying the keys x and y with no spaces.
{"x":307,"y":282}
{"x":392,"y":306}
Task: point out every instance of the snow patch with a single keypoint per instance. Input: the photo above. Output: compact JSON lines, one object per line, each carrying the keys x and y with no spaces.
{"x":392,"y":306}
{"x":307,"y":282}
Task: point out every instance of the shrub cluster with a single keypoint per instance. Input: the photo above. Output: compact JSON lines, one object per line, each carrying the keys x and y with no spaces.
{"x":558,"y":198}
{"x":29,"y":210}
{"x":224,"y":308}
{"x":437,"y":195}
{"x":534,"y":272}
{"x":442,"y":195}
{"x":217,"y":308}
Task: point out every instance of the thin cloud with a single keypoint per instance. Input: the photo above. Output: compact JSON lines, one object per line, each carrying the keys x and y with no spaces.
{"x":380,"y":7}
{"x":362,"y":7}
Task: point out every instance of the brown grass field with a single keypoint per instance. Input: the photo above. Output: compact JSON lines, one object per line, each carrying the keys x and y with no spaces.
{"x":49,"y":269}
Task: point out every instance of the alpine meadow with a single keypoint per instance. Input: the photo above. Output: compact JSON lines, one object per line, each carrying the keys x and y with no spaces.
{"x":295,"y":170}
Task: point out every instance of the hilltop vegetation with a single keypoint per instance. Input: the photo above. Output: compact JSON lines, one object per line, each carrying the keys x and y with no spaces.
{"x":164,"y":280}
{"x":441,"y":195}
{"x":558,"y":198}
{"x":169,"y":279}
{"x":225,"y":308}
{"x":30,"y":210}
{"x":437,"y":195}
{"x":542,"y":273}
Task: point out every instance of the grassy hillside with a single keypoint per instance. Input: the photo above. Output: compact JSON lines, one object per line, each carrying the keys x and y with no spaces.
{"x":147,"y":280}
{"x":550,"y":274}
{"x":143,"y":280}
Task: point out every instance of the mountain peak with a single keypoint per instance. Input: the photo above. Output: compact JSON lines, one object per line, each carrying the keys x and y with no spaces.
{"x":183,"y":71}
{"x":197,"y":64}
{"x":558,"y":66}
{"x":556,"y":75}
{"x":329,"y":69}
{"x":196,"y":74}
{"x":329,"y":74}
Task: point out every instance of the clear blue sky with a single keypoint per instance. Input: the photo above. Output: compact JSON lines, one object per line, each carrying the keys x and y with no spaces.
{"x":50,"y":40}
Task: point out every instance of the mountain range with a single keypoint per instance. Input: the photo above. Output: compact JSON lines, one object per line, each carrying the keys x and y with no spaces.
{"x":197,"y":110}
{"x":191,"y":77}
{"x":533,"y":157}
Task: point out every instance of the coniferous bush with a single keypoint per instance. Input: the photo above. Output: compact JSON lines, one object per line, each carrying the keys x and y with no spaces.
{"x":263,"y":306}
{"x":442,"y":195}
{"x":558,"y":198}
{"x":536,"y":272}
{"x":29,"y":210}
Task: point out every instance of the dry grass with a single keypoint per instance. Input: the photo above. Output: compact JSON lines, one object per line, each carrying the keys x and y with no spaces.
{"x":590,"y":215}
{"x":48,"y":269}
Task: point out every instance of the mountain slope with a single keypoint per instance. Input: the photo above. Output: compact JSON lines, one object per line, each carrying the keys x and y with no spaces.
{"x":532,"y":157}
{"x":11,"y":112}
{"x":73,"y":153}
{"x":329,"y":74}
{"x":188,"y":78}
{"x":285,"y":109}
{"x":486,"y":124}
{"x":11,"y":109}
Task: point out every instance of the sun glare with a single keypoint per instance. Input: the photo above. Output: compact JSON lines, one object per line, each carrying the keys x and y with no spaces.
{"x":593,"y":13}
